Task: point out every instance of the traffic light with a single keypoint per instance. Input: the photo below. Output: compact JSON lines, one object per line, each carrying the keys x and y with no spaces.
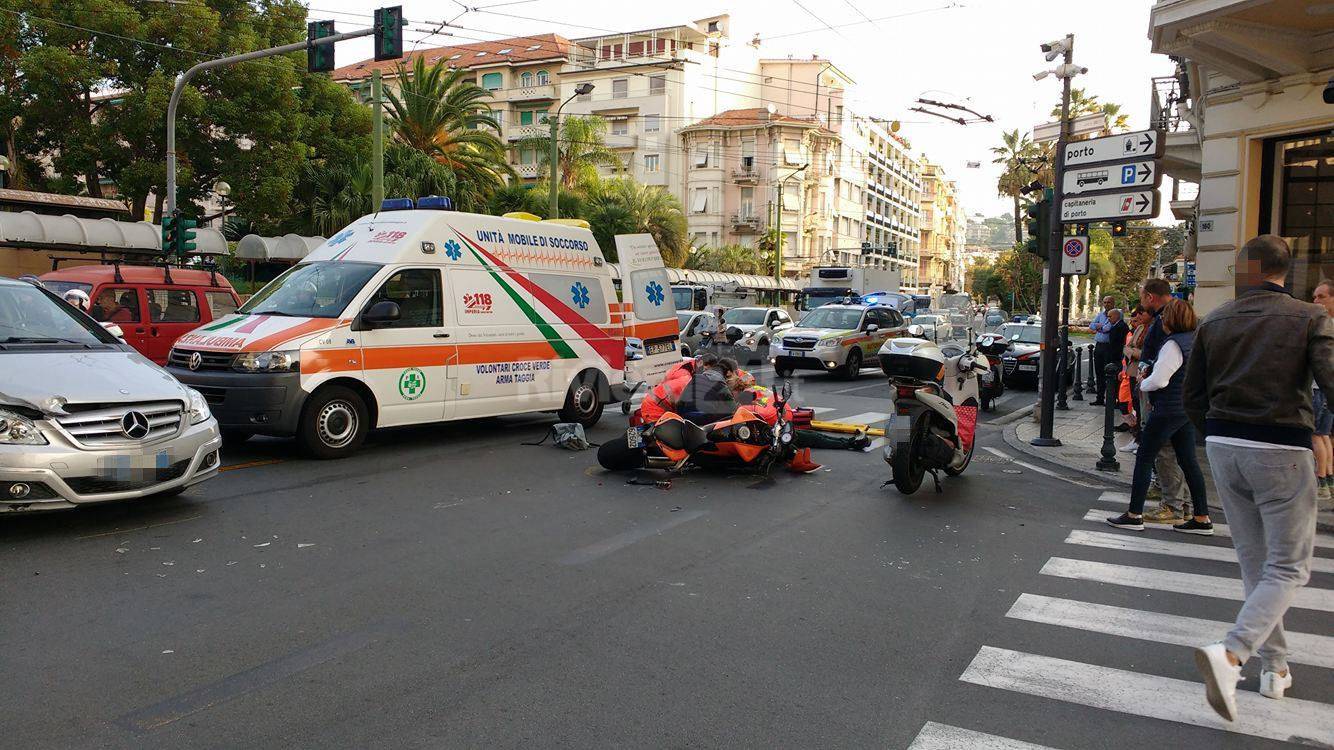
{"x":319,"y":58}
{"x":1119,"y":229}
{"x":389,"y":33}
{"x":185,"y":236}
{"x":168,"y":235}
{"x":1039,"y":226}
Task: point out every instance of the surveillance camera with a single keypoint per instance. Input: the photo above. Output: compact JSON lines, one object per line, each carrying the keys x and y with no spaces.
{"x":1038,"y":76}
{"x":1052,"y":55}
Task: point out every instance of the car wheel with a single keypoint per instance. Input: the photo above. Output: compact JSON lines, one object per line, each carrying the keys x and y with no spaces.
{"x":582,"y":404}
{"x":783,"y":372}
{"x":853,"y":367}
{"x":334,"y":423}
{"x":762,"y":353}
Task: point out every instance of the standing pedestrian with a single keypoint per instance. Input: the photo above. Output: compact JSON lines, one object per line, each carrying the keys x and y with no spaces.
{"x":1168,"y":425}
{"x":1324,"y":416}
{"x":1139,"y":327}
{"x":1102,"y":349}
{"x":1169,"y":486}
{"x":1248,"y":385}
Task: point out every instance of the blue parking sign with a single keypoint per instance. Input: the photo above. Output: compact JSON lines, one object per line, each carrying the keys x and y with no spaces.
{"x":1128,"y":174}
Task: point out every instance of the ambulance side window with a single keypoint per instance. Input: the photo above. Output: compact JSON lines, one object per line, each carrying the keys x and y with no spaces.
{"x":417,"y":292}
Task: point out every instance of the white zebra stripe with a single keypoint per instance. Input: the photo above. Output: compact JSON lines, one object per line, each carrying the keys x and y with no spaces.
{"x":945,"y":737}
{"x":1148,"y":696}
{"x":1179,"y":549}
{"x":1178,"y":583}
{"x":1098,"y":515}
{"x":1303,"y":648}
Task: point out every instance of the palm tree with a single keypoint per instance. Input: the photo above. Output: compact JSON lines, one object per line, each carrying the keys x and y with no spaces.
{"x":337,"y":194}
{"x":448,"y":118}
{"x":622,"y":206}
{"x":1082,"y":103}
{"x":1020,"y":158}
{"x":581,"y":147}
{"x":728,"y":259}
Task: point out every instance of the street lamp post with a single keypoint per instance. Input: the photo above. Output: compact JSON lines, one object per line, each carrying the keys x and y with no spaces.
{"x":553,"y":207}
{"x":223,"y":190}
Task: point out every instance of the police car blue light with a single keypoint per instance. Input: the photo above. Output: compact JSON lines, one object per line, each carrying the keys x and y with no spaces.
{"x":396,"y":204}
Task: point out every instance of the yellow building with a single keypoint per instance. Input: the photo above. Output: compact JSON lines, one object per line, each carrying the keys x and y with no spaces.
{"x":943,"y":231}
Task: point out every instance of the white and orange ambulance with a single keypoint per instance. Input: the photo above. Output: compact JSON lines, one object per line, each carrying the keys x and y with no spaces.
{"x":421,"y":314}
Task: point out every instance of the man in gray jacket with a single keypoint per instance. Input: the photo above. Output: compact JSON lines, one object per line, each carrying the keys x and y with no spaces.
{"x":1248,"y":386}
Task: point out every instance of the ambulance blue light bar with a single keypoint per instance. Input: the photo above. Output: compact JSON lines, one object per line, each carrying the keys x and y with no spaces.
{"x":396,"y":204}
{"x":435,"y":202}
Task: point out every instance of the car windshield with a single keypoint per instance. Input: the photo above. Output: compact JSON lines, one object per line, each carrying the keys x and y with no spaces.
{"x":828,"y":317}
{"x":32,"y":317}
{"x":311,"y":290}
{"x":927,"y":320}
{"x":744,"y":316}
{"x":1026,"y":334}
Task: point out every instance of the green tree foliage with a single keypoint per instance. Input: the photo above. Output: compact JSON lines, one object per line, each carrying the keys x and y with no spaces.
{"x":1082,"y":103}
{"x":581,"y":147}
{"x":534,"y":199}
{"x":1133,"y":256}
{"x":333,"y":194}
{"x":1021,"y":163}
{"x":448,"y":118}
{"x":91,"y":98}
{"x":622,"y":206}
{"x":731,"y":259}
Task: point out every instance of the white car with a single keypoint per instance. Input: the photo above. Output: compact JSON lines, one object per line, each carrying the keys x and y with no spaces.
{"x":937,"y":327}
{"x":758,"y":325}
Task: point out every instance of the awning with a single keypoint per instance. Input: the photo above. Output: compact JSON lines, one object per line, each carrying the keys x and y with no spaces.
{"x":287,"y":248}
{"x":33,"y":231}
{"x":735,"y":280}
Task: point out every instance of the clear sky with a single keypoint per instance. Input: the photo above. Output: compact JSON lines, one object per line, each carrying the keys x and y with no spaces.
{"x":980,"y":53}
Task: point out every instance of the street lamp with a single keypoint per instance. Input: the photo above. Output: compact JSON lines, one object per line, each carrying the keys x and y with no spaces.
{"x":4,"y":170}
{"x":582,"y":89}
{"x":223,"y":190}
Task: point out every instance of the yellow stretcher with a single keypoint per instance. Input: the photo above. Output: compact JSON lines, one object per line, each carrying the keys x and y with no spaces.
{"x":846,"y":428}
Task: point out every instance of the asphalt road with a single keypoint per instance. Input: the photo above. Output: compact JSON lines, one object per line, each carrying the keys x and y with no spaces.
{"x":450,"y":587}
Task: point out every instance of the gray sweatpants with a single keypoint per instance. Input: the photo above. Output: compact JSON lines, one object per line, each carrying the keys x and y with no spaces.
{"x":1269,"y":498}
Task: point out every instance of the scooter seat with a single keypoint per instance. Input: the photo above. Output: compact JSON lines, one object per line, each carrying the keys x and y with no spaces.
{"x":681,"y":435}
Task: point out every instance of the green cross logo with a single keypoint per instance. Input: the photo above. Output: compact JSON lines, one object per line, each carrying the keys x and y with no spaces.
{"x":411,"y":384}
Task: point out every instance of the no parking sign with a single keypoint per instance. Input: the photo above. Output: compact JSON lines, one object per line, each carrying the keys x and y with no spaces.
{"x":1074,"y":256}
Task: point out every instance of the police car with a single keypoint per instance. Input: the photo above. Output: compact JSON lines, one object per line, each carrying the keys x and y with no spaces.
{"x":839,"y":338}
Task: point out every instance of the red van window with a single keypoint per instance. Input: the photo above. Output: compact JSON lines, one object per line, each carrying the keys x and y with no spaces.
{"x":220,"y":303}
{"x":173,"y":305}
{"x":116,"y":305}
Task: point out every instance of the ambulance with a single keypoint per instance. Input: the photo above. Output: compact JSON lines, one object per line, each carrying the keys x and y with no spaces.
{"x":419,"y":314}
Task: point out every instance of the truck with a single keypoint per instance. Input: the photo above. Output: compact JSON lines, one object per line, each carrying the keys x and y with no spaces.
{"x":835,"y":283}
{"x":710,"y":297}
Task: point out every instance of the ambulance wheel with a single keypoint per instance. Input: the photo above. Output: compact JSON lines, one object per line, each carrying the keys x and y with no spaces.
{"x":582,"y":403}
{"x":333,"y":424}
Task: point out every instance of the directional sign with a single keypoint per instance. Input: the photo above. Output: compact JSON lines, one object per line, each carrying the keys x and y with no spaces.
{"x":1137,"y":204}
{"x":1130,"y":174}
{"x":1144,"y":144}
{"x":1074,"y":256}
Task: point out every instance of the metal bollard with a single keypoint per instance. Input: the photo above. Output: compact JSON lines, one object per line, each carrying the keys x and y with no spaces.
{"x":1092,"y":384}
{"x":1062,"y":374}
{"x":1079,"y":369}
{"x":1108,"y":461}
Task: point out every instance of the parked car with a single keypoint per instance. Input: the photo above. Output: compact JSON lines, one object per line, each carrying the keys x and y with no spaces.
{"x":837,"y":339}
{"x":758,"y":326}
{"x":694,"y":327}
{"x":1023,"y":359}
{"x":936,"y":327}
{"x":153,"y":305}
{"x":86,"y":419}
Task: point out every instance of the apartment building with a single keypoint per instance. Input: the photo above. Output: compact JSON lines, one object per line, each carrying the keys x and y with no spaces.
{"x":943,"y":231}
{"x":650,"y":83}
{"x":1247,"y":122}
{"x":522,"y":74}
{"x":892,"y":199}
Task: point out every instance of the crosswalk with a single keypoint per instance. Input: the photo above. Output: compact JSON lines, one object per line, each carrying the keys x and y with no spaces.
{"x":1304,"y":717}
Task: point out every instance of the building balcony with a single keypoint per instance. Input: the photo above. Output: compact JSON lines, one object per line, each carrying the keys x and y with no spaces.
{"x":746,"y":175}
{"x":528,"y":171}
{"x":745,"y":223}
{"x":1170,"y":111}
{"x":528,"y":94}
{"x":523,"y":132}
{"x":1249,"y":41}
{"x":624,"y":140}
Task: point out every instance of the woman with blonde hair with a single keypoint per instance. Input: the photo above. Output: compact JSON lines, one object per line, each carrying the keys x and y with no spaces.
{"x":1167,"y":423}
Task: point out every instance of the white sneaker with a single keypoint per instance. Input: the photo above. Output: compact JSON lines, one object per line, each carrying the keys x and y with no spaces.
{"x":1220,"y":679}
{"x":1272,"y":684}
{"x":1130,"y":447}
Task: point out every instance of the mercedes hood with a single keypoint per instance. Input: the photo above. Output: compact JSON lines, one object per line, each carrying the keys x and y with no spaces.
{"x":48,"y":380}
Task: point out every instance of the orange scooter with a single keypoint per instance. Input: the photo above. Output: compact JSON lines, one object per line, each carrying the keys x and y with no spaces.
{"x":743,"y":441}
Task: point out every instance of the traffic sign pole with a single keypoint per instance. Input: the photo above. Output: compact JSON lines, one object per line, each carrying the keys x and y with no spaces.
{"x":1052,"y":290}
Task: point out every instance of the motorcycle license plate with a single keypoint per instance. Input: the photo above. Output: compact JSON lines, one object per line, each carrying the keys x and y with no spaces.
{"x":632,"y":437}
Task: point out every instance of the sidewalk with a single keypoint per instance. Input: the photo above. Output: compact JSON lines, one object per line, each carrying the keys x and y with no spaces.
{"x":1080,"y":433}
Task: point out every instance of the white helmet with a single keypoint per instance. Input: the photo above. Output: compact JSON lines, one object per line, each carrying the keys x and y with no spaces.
{"x":78,"y":298}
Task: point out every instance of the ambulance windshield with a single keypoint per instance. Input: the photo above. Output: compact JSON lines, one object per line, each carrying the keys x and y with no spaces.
{"x":312,"y":290}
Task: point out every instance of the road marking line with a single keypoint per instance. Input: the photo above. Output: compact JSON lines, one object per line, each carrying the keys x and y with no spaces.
{"x":252,"y":464}
{"x":945,"y":737}
{"x":1198,"y":551}
{"x":1145,"y":695}
{"x":1114,"y":497}
{"x":256,"y":678}
{"x":1304,"y":648}
{"x":627,"y":538}
{"x":1039,"y":469}
{"x":876,"y":444}
{"x":118,"y":532}
{"x":869,"y":418}
{"x":1196,"y":584}
{"x":1097,"y":515}
{"x":822,"y":409}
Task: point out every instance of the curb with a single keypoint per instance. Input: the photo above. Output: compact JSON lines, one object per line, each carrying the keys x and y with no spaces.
{"x":1015,"y":416}
{"x":1011,"y":435}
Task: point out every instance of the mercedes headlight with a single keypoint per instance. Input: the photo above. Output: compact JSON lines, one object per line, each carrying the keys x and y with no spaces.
{"x":198,"y":406}
{"x":286,"y":361}
{"x":16,"y":429}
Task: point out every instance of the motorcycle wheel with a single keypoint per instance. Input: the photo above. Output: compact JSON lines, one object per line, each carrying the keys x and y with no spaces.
{"x":908,"y":471}
{"x":617,"y":455}
{"x":968,"y":459}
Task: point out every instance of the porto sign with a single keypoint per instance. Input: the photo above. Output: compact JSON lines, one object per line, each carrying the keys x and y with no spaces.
{"x":1137,"y":204}
{"x":1143,"y":144}
{"x":1131,"y":174}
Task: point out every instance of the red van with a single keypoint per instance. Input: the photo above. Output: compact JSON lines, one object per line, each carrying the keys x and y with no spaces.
{"x":153,"y":305}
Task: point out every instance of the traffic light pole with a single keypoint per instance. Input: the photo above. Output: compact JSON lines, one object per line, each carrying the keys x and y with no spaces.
{"x":1052,"y":291}
{"x":222,"y":62}
{"x":377,"y":140}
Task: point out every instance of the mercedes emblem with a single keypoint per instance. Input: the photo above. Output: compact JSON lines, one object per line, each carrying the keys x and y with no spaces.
{"x":134,"y":425}
{"x":196,"y":359}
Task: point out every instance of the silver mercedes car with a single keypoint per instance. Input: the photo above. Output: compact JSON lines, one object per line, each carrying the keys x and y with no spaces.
{"x":86,"y":419}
